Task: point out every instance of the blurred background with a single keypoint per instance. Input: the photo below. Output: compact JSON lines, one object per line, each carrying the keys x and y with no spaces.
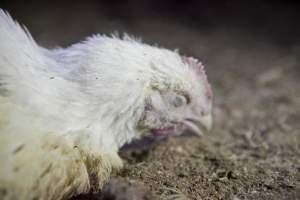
{"x":220,"y":33}
{"x":64,"y":22}
{"x":217,"y":32}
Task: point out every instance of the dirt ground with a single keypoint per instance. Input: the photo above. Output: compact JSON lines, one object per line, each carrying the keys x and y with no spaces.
{"x":253,"y":151}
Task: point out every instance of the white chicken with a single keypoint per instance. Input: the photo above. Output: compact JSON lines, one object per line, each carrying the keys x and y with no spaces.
{"x":64,"y":113}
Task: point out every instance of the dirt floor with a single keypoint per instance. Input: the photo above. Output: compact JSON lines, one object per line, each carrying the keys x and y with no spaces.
{"x":253,"y":151}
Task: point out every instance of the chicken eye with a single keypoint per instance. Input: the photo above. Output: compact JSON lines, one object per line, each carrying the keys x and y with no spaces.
{"x":179,"y":101}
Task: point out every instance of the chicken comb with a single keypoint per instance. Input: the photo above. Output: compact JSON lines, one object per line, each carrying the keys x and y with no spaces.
{"x":198,"y":68}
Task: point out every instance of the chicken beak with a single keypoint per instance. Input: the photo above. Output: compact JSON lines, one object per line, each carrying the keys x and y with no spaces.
{"x":199,"y":125}
{"x":206,"y":122}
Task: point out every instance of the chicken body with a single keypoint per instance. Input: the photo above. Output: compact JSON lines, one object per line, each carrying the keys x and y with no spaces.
{"x":64,"y":113}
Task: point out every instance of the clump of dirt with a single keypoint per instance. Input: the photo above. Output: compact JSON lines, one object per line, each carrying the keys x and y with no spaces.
{"x":120,"y":189}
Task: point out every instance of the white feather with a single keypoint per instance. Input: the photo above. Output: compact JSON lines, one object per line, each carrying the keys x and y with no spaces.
{"x":65,"y":112}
